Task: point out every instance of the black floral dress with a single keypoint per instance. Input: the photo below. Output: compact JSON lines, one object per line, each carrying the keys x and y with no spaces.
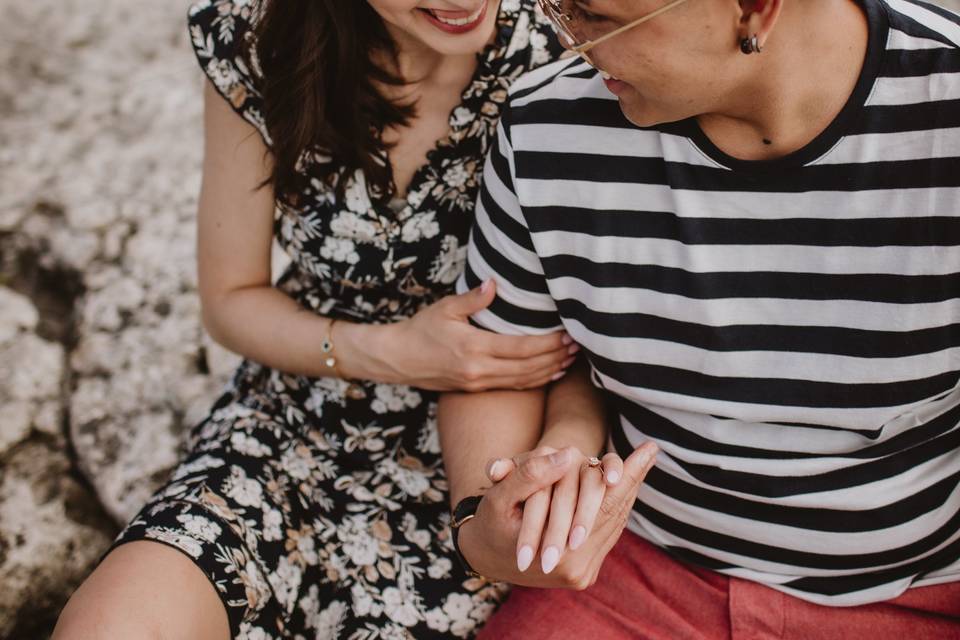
{"x":318,"y":513}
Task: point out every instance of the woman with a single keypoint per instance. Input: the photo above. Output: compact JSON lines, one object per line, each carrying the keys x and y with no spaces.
{"x":312,"y":502}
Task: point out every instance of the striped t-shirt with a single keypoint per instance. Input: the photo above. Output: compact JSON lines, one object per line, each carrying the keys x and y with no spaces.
{"x":788,"y":332}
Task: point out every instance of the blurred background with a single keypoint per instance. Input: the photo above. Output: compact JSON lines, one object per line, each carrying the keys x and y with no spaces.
{"x":103,"y":362}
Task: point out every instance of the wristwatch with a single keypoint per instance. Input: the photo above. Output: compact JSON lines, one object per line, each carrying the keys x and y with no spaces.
{"x":465,"y":510}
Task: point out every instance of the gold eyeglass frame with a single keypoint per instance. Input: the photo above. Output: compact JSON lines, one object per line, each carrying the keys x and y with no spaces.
{"x":581,"y":49}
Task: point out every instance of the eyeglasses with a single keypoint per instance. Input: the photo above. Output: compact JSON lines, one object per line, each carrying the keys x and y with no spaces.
{"x":572,"y":24}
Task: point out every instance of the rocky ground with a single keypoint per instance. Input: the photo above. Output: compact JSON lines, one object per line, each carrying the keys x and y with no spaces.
{"x":103,"y":358}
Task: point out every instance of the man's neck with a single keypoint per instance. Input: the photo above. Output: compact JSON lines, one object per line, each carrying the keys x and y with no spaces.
{"x":798,"y":86}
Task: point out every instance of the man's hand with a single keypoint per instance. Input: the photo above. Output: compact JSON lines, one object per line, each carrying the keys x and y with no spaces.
{"x":489,"y":541}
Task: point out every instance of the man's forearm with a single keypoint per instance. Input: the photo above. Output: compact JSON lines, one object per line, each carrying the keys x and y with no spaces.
{"x":478,"y":427}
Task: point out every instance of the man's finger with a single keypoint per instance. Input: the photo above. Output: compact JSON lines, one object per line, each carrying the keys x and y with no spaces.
{"x":638,"y":463}
{"x":532,"y":475}
{"x":500,"y":468}
{"x":624,"y":493}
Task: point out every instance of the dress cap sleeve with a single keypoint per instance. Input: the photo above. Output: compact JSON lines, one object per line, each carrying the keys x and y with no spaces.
{"x":217,"y":30}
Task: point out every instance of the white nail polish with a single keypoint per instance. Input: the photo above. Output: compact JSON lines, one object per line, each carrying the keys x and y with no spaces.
{"x":524,"y":557}
{"x":549,"y":559}
{"x":493,"y":469}
{"x":613,"y":477}
{"x":577,"y":536}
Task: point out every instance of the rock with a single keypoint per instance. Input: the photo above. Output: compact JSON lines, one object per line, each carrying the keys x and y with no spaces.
{"x":33,"y":369}
{"x":17,"y":314}
{"x":104,"y":309}
{"x":126,"y":456}
{"x":51,"y":533}
{"x":15,"y":419}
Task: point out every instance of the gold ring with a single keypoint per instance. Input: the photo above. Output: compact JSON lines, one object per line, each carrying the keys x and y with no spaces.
{"x":593,"y":461}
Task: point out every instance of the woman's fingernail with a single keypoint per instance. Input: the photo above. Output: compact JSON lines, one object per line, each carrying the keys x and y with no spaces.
{"x":550,"y":558}
{"x":613,"y":477}
{"x":567,"y":362}
{"x":577,"y":536}
{"x":524,"y":557}
{"x":557,"y":376}
{"x":486,"y":285}
{"x":492,"y":473}
{"x":573,"y":349}
{"x":560,"y":457}
{"x":566,"y":339}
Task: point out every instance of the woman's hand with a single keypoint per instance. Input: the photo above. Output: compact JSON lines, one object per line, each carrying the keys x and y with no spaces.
{"x":489,"y":541}
{"x":562,"y":515}
{"x":438,"y":349}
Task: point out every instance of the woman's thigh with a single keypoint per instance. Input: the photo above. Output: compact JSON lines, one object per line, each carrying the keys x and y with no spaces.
{"x":144,"y":589}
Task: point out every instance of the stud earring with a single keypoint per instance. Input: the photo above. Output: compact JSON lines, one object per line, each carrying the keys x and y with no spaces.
{"x":750,"y":45}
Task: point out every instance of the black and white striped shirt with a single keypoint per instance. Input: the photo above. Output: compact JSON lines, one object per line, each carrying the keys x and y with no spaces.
{"x":787,"y":331}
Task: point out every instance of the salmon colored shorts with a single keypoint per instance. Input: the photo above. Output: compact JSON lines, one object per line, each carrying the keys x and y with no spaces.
{"x":644,"y":594}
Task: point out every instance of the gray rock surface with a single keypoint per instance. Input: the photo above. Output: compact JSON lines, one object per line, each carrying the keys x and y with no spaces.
{"x":104,"y":358}
{"x":104,"y":362}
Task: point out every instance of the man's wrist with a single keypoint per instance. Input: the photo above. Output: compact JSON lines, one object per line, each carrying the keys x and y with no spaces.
{"x":466,"y":544}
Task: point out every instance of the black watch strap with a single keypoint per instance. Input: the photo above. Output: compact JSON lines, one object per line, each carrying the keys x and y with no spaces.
{"x":465,"y":510}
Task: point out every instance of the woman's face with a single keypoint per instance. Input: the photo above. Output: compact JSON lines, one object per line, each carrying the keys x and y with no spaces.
{"x":448,"y":27}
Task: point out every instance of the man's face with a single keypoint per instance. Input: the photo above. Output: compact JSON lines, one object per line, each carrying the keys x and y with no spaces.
{"x":671,"y":67}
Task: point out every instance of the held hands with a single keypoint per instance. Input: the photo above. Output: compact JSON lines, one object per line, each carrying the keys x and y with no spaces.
{"x":562,"y":515}
{"x":495,"y":541}
{"x":438,"y":349}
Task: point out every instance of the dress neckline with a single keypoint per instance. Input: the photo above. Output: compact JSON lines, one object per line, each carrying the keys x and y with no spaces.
{"x":492,"y":51}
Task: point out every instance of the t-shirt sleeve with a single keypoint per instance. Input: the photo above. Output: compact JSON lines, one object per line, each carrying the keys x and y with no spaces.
{"x":217,"y":30}
{"x":501,"y":248}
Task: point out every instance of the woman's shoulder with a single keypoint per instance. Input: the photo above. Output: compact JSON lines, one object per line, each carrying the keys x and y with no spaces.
{"x":220,"y":31}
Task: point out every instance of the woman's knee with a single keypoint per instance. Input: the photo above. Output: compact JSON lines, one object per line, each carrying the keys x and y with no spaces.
{"x":144,"y":590}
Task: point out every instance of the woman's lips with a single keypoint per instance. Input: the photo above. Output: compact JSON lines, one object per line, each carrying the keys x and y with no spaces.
{"x":456,"y":21}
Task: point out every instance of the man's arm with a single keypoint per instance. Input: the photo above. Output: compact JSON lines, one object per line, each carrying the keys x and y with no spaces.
{"x":478,"y":427}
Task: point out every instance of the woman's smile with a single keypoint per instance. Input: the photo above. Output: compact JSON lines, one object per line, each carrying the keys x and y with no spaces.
{"x":456,"y":22}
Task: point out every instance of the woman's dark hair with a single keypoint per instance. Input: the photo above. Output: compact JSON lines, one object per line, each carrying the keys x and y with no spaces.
{"x":319,"y":93}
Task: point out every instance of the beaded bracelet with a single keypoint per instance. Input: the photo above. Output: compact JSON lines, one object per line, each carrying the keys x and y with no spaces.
{"x":353,"y":391}
{"x":327,"y":347}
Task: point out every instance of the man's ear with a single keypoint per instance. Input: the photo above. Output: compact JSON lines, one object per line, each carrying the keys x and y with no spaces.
{"x":757,"y":18}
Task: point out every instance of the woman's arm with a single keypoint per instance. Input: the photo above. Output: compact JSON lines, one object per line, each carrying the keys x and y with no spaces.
{"x":576,"y":414}
{"x":436,"y":349}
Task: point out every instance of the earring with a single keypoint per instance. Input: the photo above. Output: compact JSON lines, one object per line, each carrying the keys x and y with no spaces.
{"x":750,"y":45}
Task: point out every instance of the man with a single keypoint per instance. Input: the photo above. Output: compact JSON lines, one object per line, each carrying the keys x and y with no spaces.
{"x":746,"y":213}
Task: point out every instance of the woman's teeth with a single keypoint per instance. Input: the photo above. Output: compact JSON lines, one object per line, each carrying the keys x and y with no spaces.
{"x":458,"y":22}
{"x":607,"y":76}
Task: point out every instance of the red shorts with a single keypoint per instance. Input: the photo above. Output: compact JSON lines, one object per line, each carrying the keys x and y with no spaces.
{"x":642,"y":593}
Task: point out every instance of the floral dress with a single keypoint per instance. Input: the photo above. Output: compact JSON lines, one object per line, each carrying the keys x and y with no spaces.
{"x":314,"y":511}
